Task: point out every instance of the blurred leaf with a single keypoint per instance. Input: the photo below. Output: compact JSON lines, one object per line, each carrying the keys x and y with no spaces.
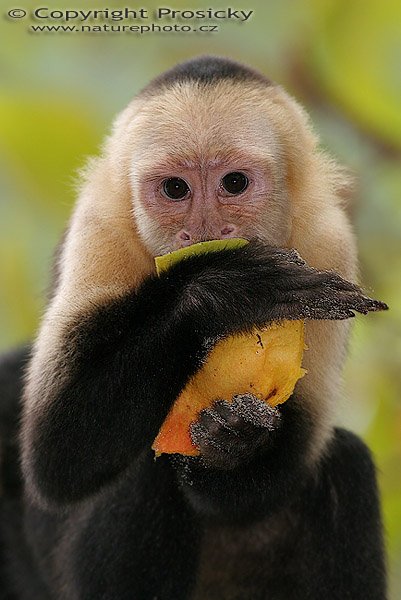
{"x":356,"y":52}
{"x":46,"y":139}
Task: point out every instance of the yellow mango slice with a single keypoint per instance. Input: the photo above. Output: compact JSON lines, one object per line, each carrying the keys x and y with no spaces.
{"x":266,"y":363}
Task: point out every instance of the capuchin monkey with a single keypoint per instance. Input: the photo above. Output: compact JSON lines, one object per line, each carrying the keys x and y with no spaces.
{"x":279,"y":504}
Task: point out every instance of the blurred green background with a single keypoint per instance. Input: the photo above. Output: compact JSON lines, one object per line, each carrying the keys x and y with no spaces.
{"x":341,"y":59}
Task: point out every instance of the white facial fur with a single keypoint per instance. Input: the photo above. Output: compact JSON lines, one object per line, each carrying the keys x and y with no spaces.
{"x":230,"y":133}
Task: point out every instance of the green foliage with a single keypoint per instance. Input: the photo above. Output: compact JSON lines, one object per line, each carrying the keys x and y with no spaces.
{"x":357,"y":56}
{"x":341,"y":59}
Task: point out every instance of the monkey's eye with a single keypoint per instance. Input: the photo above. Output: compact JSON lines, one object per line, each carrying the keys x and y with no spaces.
{"x":175,"y":188}
{"x":235,"y":183}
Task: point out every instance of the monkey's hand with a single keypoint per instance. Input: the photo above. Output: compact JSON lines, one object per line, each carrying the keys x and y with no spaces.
{"x":229,"y":434}
{"x":253,"y":458}
{"x":235,"y":290}
{"x":120,"y":365}
{"x":253,"y":461}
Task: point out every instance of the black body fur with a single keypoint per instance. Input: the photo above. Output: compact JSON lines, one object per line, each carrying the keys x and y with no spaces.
{"x":251,"y":518}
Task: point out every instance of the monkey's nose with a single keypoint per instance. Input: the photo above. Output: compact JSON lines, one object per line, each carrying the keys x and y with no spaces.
{"x":228,"y":231}
{"x":184,"y":238}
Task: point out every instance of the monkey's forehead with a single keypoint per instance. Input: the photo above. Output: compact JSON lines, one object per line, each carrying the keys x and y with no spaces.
{"x":204,"y":118}
{"x":195,"y":120}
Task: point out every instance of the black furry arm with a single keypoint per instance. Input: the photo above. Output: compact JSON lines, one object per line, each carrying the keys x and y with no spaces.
{"x":324,"y":527}
{"x":232,"y":482}
{"x":124,"y":363}
{"x":339,"y":521}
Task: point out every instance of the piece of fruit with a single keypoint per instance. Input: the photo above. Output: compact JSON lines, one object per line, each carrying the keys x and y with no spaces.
{"x":166,"y":261}
{"x":266,"y":363}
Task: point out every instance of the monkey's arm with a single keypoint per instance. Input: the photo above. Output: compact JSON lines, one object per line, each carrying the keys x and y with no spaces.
{"x":122,"y":365}
{"x":331,"y":541}
{"x":339,"y":523}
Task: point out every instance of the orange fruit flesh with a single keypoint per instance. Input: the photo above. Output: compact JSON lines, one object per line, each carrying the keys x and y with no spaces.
{"x":266,"y":363}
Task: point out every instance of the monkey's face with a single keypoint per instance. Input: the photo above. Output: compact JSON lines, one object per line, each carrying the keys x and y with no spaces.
{"x":208,"y":163}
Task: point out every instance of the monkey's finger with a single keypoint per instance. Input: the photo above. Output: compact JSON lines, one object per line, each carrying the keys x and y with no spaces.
{"x":308,"y":311}
{"x":202,"y":438}
{"x":289,"y":270}
{"x":351,"y":300}
{"x":304,"y":277}
{"x":306,"y":304}
{"x":215,"y":420}
{"x":285,"y":270}
{"x":364,"y":304}
{"x":257,"y":412}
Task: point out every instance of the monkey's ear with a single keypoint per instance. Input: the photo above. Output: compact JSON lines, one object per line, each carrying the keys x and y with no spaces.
{"x":306,"y":293}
